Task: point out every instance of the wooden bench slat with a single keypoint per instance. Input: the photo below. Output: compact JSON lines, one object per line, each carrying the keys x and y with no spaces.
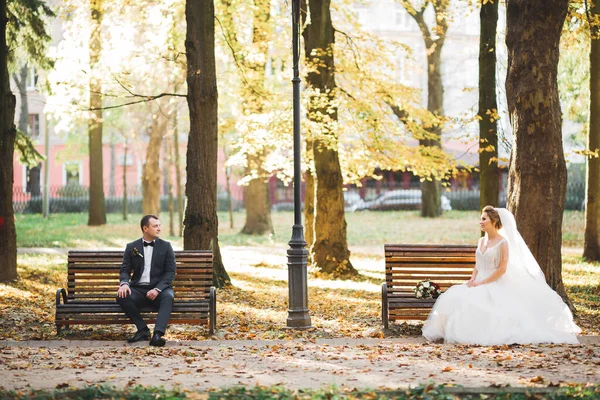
{"x":111,"y":284}
{"x":112,"y":268}
{"x":433,"y":266}
{"x":430,"y":259}
{"x":104,"y":308}
{"x":89,"y":296}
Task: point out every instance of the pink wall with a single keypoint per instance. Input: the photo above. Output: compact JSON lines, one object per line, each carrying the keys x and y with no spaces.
{"x":62,"y":155}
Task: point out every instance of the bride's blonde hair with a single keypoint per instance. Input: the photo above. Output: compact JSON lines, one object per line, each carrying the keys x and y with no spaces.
{"x":494,"y":216}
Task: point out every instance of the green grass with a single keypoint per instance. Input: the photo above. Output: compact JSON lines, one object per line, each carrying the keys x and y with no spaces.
{"x":431,"y":392}
{"x":364,"y":229}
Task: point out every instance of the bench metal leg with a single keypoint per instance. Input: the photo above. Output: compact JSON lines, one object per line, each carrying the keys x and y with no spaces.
{"x":212,"y":308}
{"x":384,"y":306}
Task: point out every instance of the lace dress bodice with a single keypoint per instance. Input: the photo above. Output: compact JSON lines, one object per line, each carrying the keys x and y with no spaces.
{"x":489,"y":261}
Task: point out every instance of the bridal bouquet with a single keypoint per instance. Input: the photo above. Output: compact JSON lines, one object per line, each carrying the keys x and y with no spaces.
{"x":427,"y":289}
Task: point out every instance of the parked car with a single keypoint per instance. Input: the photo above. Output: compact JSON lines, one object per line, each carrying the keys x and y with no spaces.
{"x":352,"y":201}
{"x":405,"y":199}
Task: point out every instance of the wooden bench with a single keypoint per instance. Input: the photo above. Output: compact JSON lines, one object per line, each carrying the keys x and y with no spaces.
{"x":406,"y":265}
{"x":93,"y":280}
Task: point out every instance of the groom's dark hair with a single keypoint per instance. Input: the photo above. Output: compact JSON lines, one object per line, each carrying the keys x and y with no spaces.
{"x":146,"y":220}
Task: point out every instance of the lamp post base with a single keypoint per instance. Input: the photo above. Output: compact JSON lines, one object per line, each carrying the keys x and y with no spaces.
{"x":298,"y":316}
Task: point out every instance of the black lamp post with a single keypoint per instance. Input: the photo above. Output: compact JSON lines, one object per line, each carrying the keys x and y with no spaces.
{"x":298,"y":316}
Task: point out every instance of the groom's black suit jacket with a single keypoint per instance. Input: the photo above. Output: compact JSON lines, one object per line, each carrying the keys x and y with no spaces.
{"x":162,"y":270}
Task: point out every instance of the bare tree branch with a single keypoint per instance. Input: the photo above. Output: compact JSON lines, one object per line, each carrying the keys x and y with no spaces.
{"x":401,"y":113}
{"x":235,"y":59}
{"x":353,"y":47}
{"x":144,"y":99}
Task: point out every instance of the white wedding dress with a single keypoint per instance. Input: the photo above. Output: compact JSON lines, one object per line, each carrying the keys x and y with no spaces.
{"x":517,"y":308}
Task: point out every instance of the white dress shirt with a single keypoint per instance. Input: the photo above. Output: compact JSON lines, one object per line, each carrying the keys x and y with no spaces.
{"x":148,"y":250}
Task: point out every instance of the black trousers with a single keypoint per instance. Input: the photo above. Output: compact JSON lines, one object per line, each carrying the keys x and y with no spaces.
{"x":163,"y":302}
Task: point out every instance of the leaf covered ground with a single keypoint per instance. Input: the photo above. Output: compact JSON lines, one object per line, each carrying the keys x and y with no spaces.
{"x":255,"y":307}
{"x":296,"y":364}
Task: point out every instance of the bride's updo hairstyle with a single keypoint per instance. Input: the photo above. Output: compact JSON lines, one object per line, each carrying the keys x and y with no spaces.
{"x":493,"y":215}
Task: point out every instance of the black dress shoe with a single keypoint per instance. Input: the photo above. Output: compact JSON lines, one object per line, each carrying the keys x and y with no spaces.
{"x":157,"y":340}
{"x":139,"y":335}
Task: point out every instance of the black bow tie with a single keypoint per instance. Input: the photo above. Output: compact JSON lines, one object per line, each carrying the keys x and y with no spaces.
{"x":148,"y":244}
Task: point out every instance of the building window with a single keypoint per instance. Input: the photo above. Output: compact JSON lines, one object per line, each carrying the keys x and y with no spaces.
{"x":403,"y":18}
{"x":72,"y":174}
{"x":32,"y":79}
{"x":34,"y":125}
{"x":399,"y":18}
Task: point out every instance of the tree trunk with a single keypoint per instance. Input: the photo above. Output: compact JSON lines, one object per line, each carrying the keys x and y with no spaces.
{"x":97,"y":208}
{"x":33,"y":173}
{"x":431,"y":192}
{"x":256,"y":194}
{"x":257,"y":203}
{"x":21,"y":81}
{"x":538,"y":174}
{"x":591,"y":247}
{"x":168,"y":176}
{"x":178,"y":170}
{"x":201,"y":224}
{"x":309,"y":210}
{"x":228,"y":188}
{"x":151,"y":173}
{"x":431,"y":205}
{"x":125,"y":181}
{"x":309,"y":177}
{"x":8,"y":233}
{"x":488,"y":137}
{"x":113,"y":169}
{"x":330,"y":250}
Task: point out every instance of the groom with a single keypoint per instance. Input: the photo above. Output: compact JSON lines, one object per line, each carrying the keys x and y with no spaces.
{"x":152,"y":261}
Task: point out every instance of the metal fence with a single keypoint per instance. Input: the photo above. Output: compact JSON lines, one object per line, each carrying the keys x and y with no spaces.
{"x":75,"y":198}
{"x":399,"y":196}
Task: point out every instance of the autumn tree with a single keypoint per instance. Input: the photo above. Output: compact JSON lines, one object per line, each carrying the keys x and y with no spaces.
{"x":591,"y":246}
{"x":434,"y":38}
{"x":166,"y":44}
{"x":537,"y":175}
{"x":251,"y":61}
{"x":330,"y":247}
{"x":152,"y":174}
{"x":201,"y":223}
{"x":8,"y":235}
{"x":97,"y":207}
{"x":33,"y":172}
{"x":22,"y":23}
{"x":488,"y":106}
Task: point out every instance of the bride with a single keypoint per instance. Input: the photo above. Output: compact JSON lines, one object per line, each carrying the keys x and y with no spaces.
{"x":507,"y":299}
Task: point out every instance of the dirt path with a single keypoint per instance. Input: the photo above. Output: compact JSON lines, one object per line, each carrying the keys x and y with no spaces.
{"x":360,"y":363}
